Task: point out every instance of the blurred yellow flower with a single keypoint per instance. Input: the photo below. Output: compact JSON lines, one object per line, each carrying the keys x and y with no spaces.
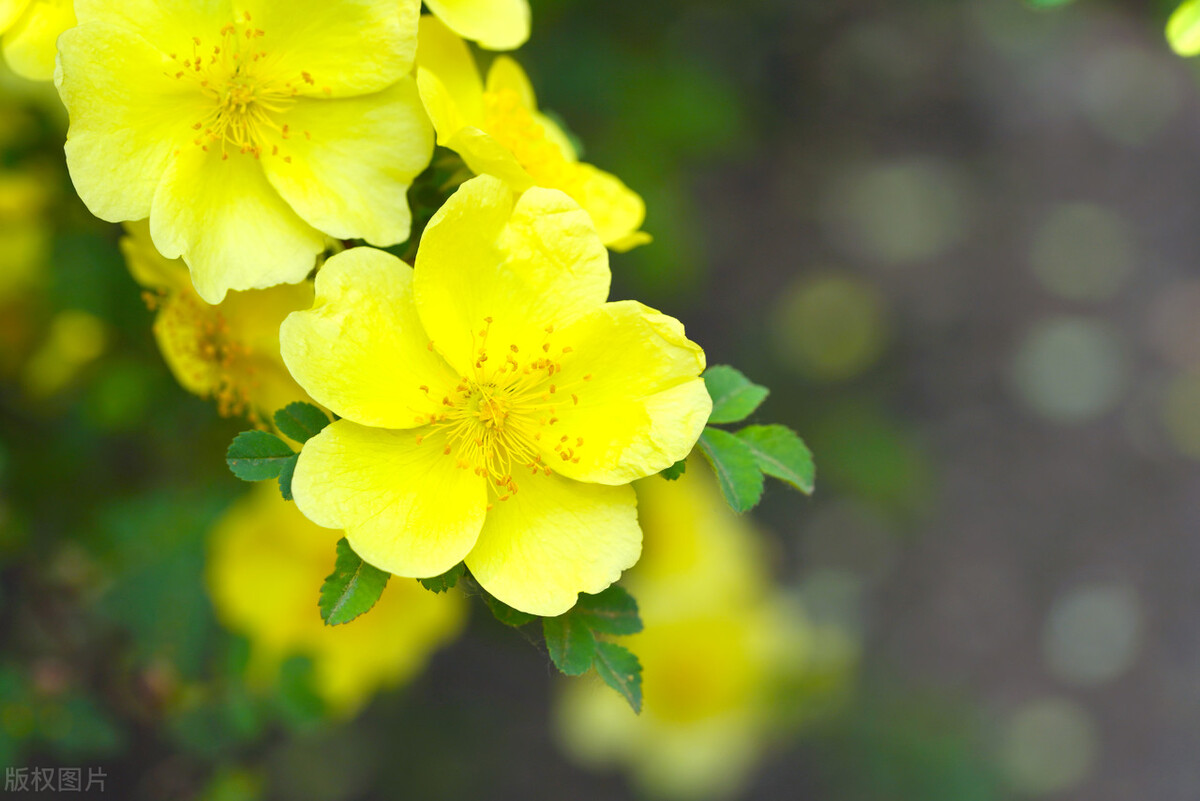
{"x":29,"y":30}
{"x":228,"y":352}
{"x":494,"y":24}
{"x":498,"y":130}
{"x":265,"y":569}
{"x":24,"y":232}
{"x":495,"y":406}
{"x":75,"y":339}
{"x":246,"y":138}
{"x":718,"y":645}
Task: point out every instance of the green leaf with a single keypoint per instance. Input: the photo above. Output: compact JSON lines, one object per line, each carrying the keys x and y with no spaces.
{"x":620,"y":670}
{"x":734,"y":396}
{"x":446,"y":581}
{"x":352,"y":588}
{"x":781,"y":453}
{"x":613,"y":611}
{"x":737,"y":469}
{"x":257,"y":455}
{"x":301,"y":421}
{"x":674,"y":471}
{"x":286,"y":471}
{"x":570,"y":643}
{"x":506,"y":614}
{"x":1183,"y":28}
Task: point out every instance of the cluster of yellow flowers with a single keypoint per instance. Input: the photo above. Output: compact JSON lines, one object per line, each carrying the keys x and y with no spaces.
{"x":492,"y":406}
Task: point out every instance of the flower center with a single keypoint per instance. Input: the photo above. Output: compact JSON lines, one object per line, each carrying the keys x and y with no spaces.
{"x":245,"y":94}
{"x":494,"y":420}
{"x":196,"y":341}
{"x":514,"y":126}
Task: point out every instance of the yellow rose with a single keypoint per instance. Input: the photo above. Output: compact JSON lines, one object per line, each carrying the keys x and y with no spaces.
{"x":498,"y":130}
{"x":495,"y":407}
{"x":247,"y":134}
{"x":29,"y":30}
{"x":494,"y":24}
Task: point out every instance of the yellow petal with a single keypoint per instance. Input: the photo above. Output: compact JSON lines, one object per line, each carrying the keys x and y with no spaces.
{"x":347,"y":47}
{"x":361,"y":350}
{"x":448,"y":59}
{"x":10,"y":11}
{"x":639,"y":403}
{"x":229,"y":225}
{"x":147,"y":265}
{"x":616,"y":210}
{"x":486,"y":156}
{"x":506,"y":73}
{"x":346,"y":165}
{"x":526,"y":265}
{"x":554,"y":539}
{"x":406,"y":507}
{"x":494,"y":24}
{"x":169,"y":25}
{"x":127,"y":116}
{"x":29,"y":45}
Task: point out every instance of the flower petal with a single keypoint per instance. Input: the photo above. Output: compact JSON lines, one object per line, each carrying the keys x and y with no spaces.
{"x":361,"y":351}
{"x":616,"y":210}
{"x":346,"y":47}
{"x":229,"y":225}
{"x":554,"y":539}
{"x":448,"y":58}
{"x":347,"y":164}
{"x":639,"y":403}
{"x":506,"y":73}
{"x":169,"y":25}
{"x":406,"y":508}
{"x":494,"y":24}
{"x":29,"y":45}
{"x":10,"y":10}
{"x":127,"y":116}
{"x":526,"y":265}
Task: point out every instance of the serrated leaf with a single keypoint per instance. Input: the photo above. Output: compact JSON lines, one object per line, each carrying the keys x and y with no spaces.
{"x":781,"y":453}
{"x":620,"y":670}
{"x":352,"y":588}
{"x":734,"y":396}
{"x":446,"y":581}
{"x":570,"y":643}
{"x":257,"y":455}
{"x":286,"y":471}
{"x":300,"y":421}
{"x":737,"y":470}
{"x":613,"y":611}
{"x":674,"y":471}
{"x":506,"y":614}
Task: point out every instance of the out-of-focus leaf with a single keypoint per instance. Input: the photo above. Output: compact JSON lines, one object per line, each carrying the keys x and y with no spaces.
{"x":1183,"y":28}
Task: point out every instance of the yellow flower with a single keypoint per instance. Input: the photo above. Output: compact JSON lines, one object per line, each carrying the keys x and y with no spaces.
{"x":265,"y":569}
{"x":30,"y":29}
{"x":717,"y":642}
{"x":494,"y":24}
{"x":246,"y":138}
{"x":495,"y":406}
{"x":228,"y":352}
{"x":498,"y":131}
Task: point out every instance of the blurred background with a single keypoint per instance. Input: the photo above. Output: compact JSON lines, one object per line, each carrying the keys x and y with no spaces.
{"x":956,"y":239}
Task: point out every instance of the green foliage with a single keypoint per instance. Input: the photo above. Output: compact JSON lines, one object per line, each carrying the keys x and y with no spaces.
{"x":506,"y":614}
{"x":446,"y":581}
{"x":781,"y":454}
{"x":286,"y":470}
{"x":258,"y":456}
{"x":620,"y":670}
{"x":1183,"y":28}
{"x":301,"y":421}
{"x":570,"y":642}
{"x":736,"y":467}
{"x":674,"y":471}
{"x":734,"y":396}
{"x":352,"y":588}
{"x":613,"y":611}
